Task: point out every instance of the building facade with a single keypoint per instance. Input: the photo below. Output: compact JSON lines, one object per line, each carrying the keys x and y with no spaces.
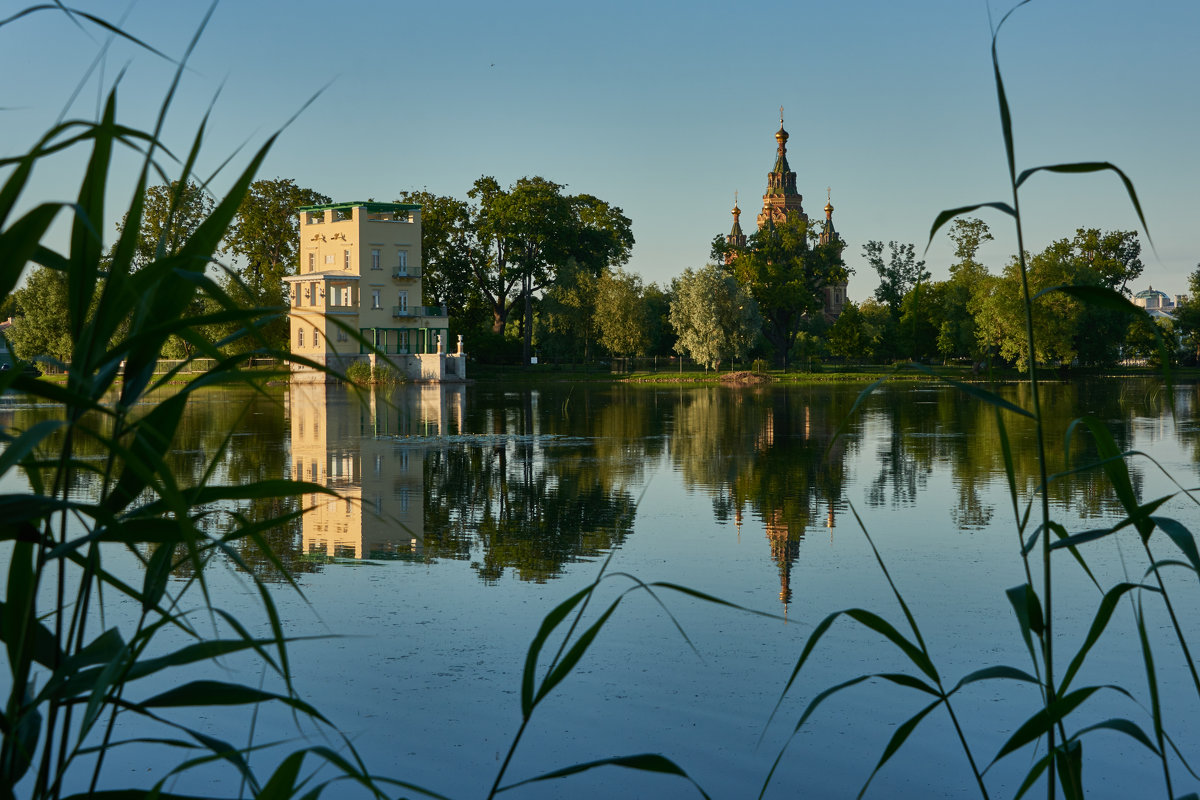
{"x":781,"y":200}
{"x":360,"y":276}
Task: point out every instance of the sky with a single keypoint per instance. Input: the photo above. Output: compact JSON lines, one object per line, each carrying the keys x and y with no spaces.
{"x":663,"y":109}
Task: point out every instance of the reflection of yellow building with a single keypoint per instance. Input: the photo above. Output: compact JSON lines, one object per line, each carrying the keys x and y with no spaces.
{"x":360,"y":274}
{"x":373,"y":455}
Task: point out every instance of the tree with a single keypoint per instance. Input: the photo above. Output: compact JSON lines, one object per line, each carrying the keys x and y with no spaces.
{"x":40,"y":327}
{"x":446,"y":249}
{"x":265,"y":233}
{"x":526,"y":233}
{"x":713,"y":315}
{"x":170,"y":215}
{"x":896,"y":278}
{"x":264,"y":237}
{"x":786,"y":271}
{"x":956,"y":335}
{"x":568,"y":313}
{"x":622,"y":316}
{"x":1187,"y":315}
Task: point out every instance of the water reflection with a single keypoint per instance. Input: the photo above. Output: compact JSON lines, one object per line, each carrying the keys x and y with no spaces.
{"x":523,"y":492}
{"x":370,"y":450}
{"x":530,"y":481}
{"x":770,"y":454}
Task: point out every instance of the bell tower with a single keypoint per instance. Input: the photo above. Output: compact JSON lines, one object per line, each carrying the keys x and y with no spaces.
{"x":781,"y":198}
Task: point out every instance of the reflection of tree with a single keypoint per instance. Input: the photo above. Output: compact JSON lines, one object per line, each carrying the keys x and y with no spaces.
{"x":547,"y":489}
{"x":767,"y":450}
{"x":928,"y":427}
{"x":226,"y":435}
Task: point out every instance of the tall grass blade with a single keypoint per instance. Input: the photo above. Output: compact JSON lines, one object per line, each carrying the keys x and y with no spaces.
{"x":897,"y":741}
{"x":1042,"y":722}
{"x":644,"y":762}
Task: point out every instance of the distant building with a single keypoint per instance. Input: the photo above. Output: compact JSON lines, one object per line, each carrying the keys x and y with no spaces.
{"x":360,"y":272}
{"x":782,"y":199}
{"x":1159,"y":304}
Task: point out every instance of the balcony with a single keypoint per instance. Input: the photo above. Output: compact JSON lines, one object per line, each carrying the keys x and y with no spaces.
{"x":418,"y":311}
{"x":405,"y":273}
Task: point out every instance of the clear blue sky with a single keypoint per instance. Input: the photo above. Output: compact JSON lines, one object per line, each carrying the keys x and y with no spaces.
{"x":665,"y":109}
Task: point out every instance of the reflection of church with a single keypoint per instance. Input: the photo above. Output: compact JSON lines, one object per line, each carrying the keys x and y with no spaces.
{"x":781,"y":201}
{"x":371,"y":452}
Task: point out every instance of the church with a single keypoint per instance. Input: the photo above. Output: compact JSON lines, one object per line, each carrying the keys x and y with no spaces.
{"x":782,"y":199}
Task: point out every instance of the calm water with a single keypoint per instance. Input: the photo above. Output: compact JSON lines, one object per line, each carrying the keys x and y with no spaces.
{"x":465,"y":514}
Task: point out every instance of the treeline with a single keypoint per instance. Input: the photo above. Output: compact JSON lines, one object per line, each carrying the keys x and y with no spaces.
{"x":530,"y":270}
{"x":977,"y":316}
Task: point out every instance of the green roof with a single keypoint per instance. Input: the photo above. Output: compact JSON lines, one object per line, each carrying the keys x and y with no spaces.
{"x":370,"y":206}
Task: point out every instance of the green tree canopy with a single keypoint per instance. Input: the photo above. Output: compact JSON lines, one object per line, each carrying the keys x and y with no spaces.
{"x":265,"y":234}
{"x":40,"y":327}
{"x":170,"y":215}
{"x":714,"y":317}
{"x":786,"y":271}
{"x":899,"y":275}
{"x":624,"y":321}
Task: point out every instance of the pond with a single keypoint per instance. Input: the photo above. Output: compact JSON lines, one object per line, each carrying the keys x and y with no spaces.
{"x":463,"y":515}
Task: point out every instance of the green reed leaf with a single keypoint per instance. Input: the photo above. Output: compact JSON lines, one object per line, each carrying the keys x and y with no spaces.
{"x":43,"y":647}
{"x":897,"y":741}
{"x":549,"y":623}
{"x":86,"y":242}
{"x":158,"y":572}
{"x":908,"y":681}
{"x":1068,"y":757}
{"x":808,"y":711}
{"x":1104,"y":612}
{"x":1084,"y":167}
{"x":282,"y":784}
{"x":1028,"y":608}
{"x":24,"y":444}
{"x":643,"y":762}
{"x":576,"y":652}
{"x":815,"y":637}
{"x":1183,"y":539}
{"x":21,"y":242}
{"x":20,"y":610}
{"x":995,"y":673}
{"x":221,"y":693}
{"x":1113,"y":462}
{"x":945,"y":216}
{"x":1035,"y":772}
{"x":1122,"y":726}
{"x":1044,"y":719}
{"x":878,"y":624}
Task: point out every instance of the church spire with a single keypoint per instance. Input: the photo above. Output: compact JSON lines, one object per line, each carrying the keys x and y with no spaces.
{"x":781,"y":198}
{"x":828,"y":232}
{"x":736,"y":237}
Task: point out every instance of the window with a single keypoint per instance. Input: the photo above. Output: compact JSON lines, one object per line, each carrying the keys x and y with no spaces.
{"x":404,"y":498}
{"x":402,"y":264}
{"x":342,"y":336}
{"x":376,"y":298}
{"x":375,"y":259}
{"x":312,"y":261}
{"x":316,"y":340}
{"x":345,"y":259}
{"x":300,"y":335}
{"x":403,"y":302}
{"x":329,"y":259}
{"x":312,"y":294}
